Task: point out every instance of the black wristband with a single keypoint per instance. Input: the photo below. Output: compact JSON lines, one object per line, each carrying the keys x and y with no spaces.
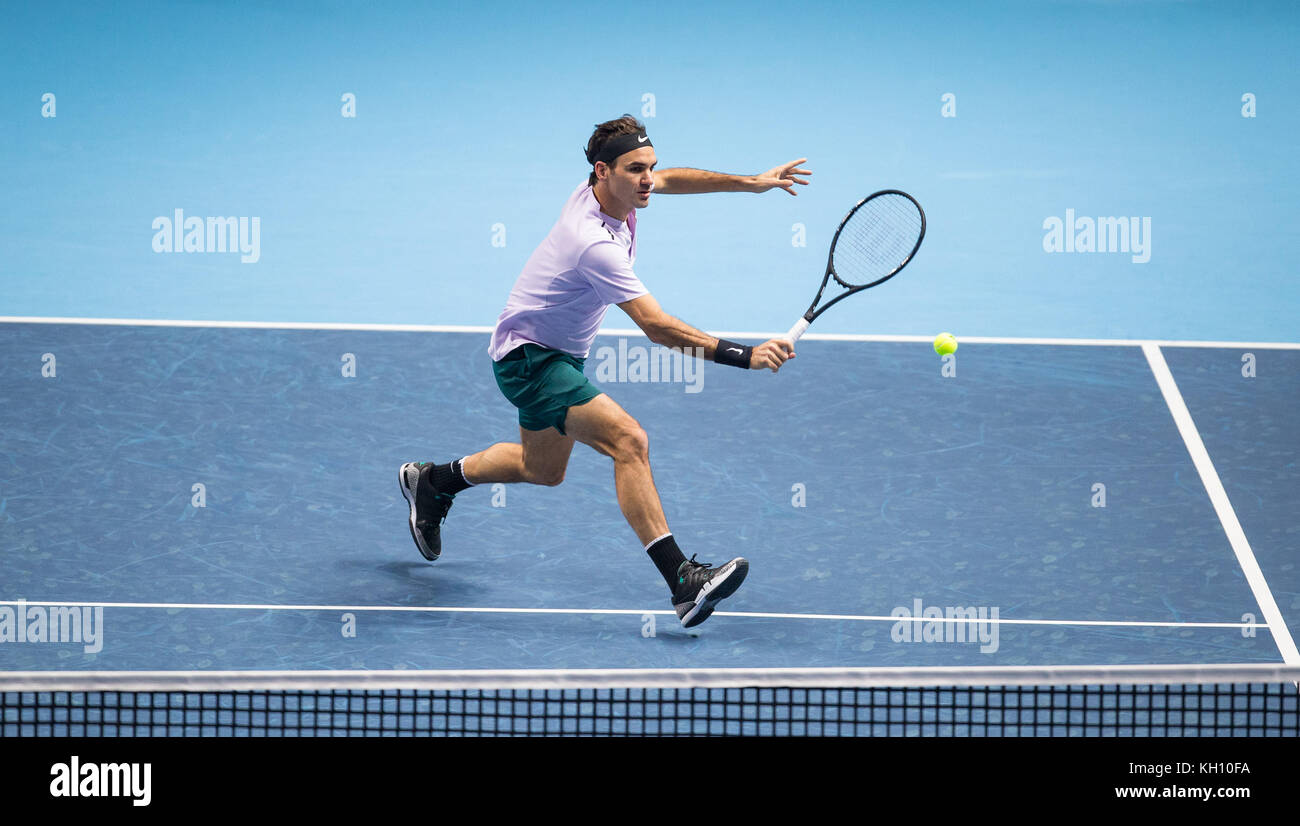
{"x":736,"y":355}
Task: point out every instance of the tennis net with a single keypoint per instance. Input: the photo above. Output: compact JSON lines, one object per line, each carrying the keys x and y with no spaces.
{"x":1156,"y":701}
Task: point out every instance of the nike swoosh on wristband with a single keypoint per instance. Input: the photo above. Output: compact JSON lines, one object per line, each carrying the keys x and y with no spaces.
{"x":734,"y":350}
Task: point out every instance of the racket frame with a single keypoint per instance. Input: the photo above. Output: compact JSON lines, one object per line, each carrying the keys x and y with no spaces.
{"x":813,"y":311}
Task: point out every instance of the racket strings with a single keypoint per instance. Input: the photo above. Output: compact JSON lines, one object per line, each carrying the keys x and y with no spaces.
{"x":877,"y":240}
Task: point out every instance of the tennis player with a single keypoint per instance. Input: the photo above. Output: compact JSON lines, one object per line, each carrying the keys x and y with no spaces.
{"x":544,"y":335}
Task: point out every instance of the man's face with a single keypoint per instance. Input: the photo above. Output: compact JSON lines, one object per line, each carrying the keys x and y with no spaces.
{"x":630,"y":177}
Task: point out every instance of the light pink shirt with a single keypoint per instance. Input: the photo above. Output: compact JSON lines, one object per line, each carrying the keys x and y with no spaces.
{"x":583,"y":266}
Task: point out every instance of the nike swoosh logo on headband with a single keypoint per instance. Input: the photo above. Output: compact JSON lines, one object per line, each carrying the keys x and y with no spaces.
{"x":643,"y":139}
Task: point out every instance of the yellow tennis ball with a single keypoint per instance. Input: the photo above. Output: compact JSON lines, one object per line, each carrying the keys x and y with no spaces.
{"x":945,"y":343}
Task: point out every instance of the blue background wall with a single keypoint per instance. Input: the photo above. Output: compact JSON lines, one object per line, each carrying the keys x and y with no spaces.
{"x":472,"y":116}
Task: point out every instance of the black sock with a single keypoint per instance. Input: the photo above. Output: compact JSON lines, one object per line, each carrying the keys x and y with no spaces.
{"x":448,"y":478}
{"x":667,"y":557}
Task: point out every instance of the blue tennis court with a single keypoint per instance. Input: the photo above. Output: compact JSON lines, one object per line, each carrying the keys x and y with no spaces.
{"x":858,"y":506}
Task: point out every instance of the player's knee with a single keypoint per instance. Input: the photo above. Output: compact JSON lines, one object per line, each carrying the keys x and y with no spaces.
{"x":633,"y":444}
{"x":541,"y":473}
{"x":550,"y":477}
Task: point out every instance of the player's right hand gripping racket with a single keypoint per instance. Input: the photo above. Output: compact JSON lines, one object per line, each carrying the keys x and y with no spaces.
{"x":873,"y":244}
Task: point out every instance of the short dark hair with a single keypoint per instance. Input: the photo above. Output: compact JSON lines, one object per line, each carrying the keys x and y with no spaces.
{"x":626,"y":125}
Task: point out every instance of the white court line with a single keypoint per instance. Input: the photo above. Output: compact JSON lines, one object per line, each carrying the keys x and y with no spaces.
{"x":249,"y":325}
{"x":1222,"y":506}
{"x":447,"y":609}
{"x":760,"y":336}
{"x":549,"y":678}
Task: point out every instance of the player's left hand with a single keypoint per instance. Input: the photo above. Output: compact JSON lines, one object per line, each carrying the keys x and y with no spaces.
{"x":782,"y":176}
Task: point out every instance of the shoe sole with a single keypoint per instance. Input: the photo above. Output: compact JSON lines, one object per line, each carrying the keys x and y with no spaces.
{"x":409,"y":494}
{"x":716,"y":590}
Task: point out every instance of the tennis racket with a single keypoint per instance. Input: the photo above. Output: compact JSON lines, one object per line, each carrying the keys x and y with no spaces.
{"x":873,"y":244}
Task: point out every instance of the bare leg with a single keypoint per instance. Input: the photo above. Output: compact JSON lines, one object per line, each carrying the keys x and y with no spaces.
{"x":540,"y":457}
{"x":607,"y":427}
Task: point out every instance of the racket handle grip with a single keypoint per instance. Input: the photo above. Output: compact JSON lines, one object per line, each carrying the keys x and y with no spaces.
{"x":797,"y":330}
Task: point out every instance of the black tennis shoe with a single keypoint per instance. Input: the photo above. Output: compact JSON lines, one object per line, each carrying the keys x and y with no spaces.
{"x":700,"y":587}
{"x":429,"y":507}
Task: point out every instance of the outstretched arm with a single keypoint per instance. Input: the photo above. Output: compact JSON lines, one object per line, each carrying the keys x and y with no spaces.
{"x":686,"y":181}
{"x":667,"y":331}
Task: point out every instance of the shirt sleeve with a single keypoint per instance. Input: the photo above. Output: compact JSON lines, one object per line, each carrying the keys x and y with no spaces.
{"x":606,"y":267}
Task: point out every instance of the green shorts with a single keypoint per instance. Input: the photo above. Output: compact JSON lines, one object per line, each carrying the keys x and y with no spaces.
{"x":543,"y":384}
